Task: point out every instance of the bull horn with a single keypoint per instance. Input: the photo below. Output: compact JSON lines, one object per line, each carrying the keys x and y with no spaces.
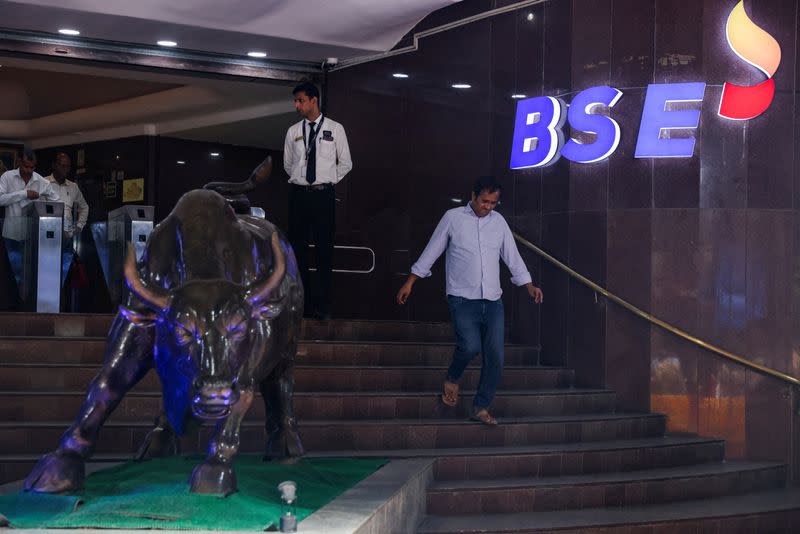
{"x":259,"y":175}
{"x":154,"y":297}
{"x":260,"y":293}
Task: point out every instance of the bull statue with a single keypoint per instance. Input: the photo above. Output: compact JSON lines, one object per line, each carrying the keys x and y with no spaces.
{"x":215,"y":305}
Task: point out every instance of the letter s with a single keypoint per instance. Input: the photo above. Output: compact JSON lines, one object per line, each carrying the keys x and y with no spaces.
{"x":581,"y":117}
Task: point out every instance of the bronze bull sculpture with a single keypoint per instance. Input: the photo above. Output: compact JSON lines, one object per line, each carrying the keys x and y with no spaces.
{"x":215,"y":306}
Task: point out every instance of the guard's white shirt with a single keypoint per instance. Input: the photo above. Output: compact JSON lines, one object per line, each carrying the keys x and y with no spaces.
{"x":333,"y":153}
{"x":474,"y":248}
{"x":71,"y":196}
{"x":14,"y":197}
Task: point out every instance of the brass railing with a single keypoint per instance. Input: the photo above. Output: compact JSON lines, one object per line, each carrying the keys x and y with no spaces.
{"x":655,"y":320}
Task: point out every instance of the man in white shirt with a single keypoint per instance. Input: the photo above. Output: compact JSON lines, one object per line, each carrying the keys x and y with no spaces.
{"x":73,"y":201}
{"x":18,"y":188}
{"x":475,"y":238}
{"x":315,"y":156}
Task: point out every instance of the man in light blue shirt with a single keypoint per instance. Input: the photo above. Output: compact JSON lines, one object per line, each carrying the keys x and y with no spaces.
{"x":475,"y":238}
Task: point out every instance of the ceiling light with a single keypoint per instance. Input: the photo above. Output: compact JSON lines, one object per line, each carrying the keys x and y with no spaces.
{"x":180,"y":162}
{"x":257,"y":54}
{"x":167,"y":43}
{"x":517,"y":96}
{"x":461,"y":86}
{"x":68,"y":31}
{"x":455,"y":200}
{"x":214,"y":154}
{"x":530,"y":17}
{"x":400,"y":75}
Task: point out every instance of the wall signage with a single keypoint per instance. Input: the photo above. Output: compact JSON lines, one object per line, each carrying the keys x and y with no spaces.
{"x":538,"y":128}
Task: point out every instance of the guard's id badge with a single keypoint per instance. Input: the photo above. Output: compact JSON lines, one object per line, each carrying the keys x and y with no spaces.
{"x":327,"y":135}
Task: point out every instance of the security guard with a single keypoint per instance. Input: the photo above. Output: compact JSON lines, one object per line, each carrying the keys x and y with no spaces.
{"x":315,"y":156}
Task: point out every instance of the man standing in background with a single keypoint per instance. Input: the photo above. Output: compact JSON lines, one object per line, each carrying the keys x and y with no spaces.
{"x":73,"y":201}
{"x":18,"y":188}
{"x":315,"y":156}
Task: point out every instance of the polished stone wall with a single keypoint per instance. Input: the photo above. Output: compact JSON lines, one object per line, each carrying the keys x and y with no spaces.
{"x":708,"y":243}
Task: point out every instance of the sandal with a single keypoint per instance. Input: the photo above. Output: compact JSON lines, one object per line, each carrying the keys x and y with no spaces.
{"x":483,"y":416}
{"x":450,"y":395}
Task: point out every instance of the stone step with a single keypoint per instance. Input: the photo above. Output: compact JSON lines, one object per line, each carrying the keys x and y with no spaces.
{"x":573,"y":492}
{"x":478,"y":462}
{"x":90,"y":350}
{"x":48,"y":377}
{"x":59,"y":405}
{"x":561,"y":459}
{"x":764,"y":512}
{"x":364,"y":434}
{"x":97,"y":325}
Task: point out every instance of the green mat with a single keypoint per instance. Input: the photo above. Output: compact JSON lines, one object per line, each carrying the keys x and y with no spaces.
{"x":155,"y":494}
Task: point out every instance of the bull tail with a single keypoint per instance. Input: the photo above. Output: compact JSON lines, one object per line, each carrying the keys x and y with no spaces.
{"x":229,"y":189}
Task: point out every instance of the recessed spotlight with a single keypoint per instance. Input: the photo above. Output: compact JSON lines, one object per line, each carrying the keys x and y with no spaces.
{"x":167,"y":43}
{"x":180,"y":162}
{"x":455,"y":200}
{"x":517,"y":96}
{"x":257,"y":54}
{"x":214,"y":154}
{"x":68,"y":31}
{"x":400,"y":75}
{"x":530,"y":17}
{"x":461,"y":86}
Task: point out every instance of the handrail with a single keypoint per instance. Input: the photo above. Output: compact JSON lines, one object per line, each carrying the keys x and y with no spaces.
{"x":656,"y":321}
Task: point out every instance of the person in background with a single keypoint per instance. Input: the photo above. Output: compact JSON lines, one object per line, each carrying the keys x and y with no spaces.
{"x":475,"y":239}
{"x":316,"y":157}
{"x":74,"y":202}
{"x":18,"y":188}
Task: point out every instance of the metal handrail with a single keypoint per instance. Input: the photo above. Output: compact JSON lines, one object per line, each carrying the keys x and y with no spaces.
{"x":655,"y":320}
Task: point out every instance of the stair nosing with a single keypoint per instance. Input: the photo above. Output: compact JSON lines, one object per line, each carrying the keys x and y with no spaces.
{"x":656,"y":474}
{"x":549,"y":392}
{"x":571,"y":418}
{"x":514,"y":450}
{"x":737,"y":505}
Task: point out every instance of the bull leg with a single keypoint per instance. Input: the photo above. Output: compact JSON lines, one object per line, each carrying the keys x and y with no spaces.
{"x":128,"y":357}
{"x":161,"y":441}
{"x":216,"y":474}
{"x":283,"y":440}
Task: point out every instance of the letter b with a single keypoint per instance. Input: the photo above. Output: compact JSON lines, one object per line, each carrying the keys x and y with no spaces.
{"x":537,"y":132}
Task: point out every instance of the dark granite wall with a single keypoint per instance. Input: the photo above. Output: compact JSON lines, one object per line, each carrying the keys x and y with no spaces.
{"x":708,"y":243}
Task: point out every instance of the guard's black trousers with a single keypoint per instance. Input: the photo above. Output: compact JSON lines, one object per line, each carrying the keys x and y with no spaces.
{"x":312,"y":211}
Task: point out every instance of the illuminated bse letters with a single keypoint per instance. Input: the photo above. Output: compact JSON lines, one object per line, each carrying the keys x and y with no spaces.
{"x":539,"y":140}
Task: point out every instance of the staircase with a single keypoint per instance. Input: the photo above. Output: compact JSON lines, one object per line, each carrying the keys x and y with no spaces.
{"x":562,"y":459}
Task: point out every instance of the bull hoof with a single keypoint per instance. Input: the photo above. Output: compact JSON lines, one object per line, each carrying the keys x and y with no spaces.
{"x":213,"y":478}
{"x":57,"y":472}
{"x":284,"y":446}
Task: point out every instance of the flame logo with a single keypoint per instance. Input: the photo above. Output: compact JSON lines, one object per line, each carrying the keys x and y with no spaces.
{"x":759,"y":49}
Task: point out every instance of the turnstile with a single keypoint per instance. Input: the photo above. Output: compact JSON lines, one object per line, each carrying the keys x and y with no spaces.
{"x":42,"y":258}
{"x":128,"y":223}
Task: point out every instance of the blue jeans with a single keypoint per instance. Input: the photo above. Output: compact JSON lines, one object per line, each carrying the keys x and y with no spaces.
{"x":66,"y":260}
{"x":478,"y":325}
{"x":15,"y":251}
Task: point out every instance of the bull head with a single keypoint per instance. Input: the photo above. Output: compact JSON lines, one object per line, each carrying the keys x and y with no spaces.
{"x":209,"y":327}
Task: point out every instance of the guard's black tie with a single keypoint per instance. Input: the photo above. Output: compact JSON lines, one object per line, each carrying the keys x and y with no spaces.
{"x":311,"y":167}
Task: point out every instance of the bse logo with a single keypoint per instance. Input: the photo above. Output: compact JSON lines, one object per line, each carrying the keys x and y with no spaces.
{"x":538,"y":130}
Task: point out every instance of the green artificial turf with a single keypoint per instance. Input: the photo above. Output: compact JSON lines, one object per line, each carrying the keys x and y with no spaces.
{"x":155,"y":494}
